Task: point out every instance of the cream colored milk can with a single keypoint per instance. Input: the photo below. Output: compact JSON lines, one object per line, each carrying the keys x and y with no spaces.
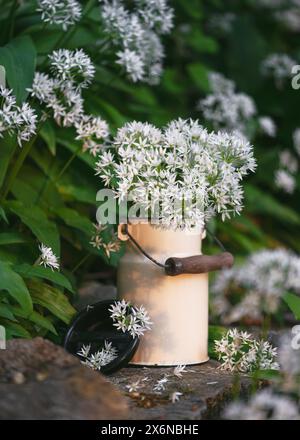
{"x":174,"y":293}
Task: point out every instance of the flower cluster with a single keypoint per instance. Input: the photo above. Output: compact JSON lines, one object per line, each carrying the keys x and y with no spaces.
{"x":61,"y":93}
{"x":107,"y":241}
{"x":136,"y":35}
{"x":14,"y":119}
{"x":183,"y":172}
{"x":224,"y":108}
{"x":128,"y":318}
{"x":100,"y":358}
{"x":285,"y":175}
{"x":64,"y":13}
{"x":267,"y":125}
{"x":255,"y":288}
{"x":285,"y":12}
{"x":48,"y":258}
{"x":264,"y":405}
{"x":279,"y":67}
{"x":240,"y":352}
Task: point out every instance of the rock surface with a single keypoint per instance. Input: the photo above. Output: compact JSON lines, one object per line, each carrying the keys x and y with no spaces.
{"x":39,"y":380}
{"x":205,"y":391}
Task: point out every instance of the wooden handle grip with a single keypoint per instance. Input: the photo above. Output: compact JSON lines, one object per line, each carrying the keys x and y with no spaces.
{"x":198,"y":264}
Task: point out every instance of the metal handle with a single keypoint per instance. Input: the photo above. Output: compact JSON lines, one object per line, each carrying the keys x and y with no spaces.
{"x":198,"y":264}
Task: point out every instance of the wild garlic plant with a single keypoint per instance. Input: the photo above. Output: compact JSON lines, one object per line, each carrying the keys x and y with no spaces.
{"x":254,"y":290}
{"x":238,"y":351}
{"x":129,"y":318}
{"x":187,"y":172}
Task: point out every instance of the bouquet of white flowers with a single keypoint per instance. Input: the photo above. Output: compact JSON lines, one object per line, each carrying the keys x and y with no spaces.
{"x":182,"y":173}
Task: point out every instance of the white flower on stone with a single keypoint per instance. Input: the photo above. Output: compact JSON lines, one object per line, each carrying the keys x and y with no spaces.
{"x":175,"y":397}
{"x":179,"y":369}
{"x":160,"y":385}
{"x":134,"y":387}
{"x":61,"y":12}
{"x":48,"y":258}
{"x":128,"y":318}
{"x":267,"y":125}
{"x":100,"y":358}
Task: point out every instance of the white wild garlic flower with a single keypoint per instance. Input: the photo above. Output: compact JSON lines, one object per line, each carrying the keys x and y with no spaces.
{"x":135,"y":33}
{"x":160,"y":385}
{"x":264,"y":405}
{"x":16,"y":120}
{"x":238,"y":351}
{"x":285,"y":181}
{"x":63,"y":13}
{"x":48,"y":258}
{"x":267,"y":126}
{"x":128,"y":318}
{"x":100,"y":358}
{"x":224,"y":107}
{"x":260,"y":281}
{"x":74,"y":66}
{"x":175,"y":397}
{"x":99,"y":242}
{"x":279,"y":67}
{"x":179,"y":370}
{"x":181,"y":162}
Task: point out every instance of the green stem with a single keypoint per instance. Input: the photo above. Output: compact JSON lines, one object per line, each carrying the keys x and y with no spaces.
{"x":80,"y":263}
{"x":17,"y":166}
{"x":11,"y":19}
{"x":62,"y":171}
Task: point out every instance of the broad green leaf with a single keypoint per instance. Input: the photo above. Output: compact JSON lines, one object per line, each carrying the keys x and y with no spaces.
{"x":19,"y":59}
{"x":52,"y":299}
{"x":36,"y":318}
{"x":5,"y":312}
{"x":74,"y":147}
{"x":74,"y":219}
{"x":293,"y":301}
{"x":36,"y":220}
{"x":27,"y":271}
{"x":12,"y":238}
{"x":48,"y":134}
{"x":14,"y":329}
{"x":11,"y":282}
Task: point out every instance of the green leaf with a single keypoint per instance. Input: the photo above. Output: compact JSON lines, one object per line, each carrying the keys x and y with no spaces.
{"x":293,"y":301}
{"x":12,"y":238}
{"x":48,"y":134}
{"x":74,"y":219}
{"x":38,"y":223}
{"x":5,"y":312}
{"x":199,"y":74}
{"x":27,"y":271}
{"x":3,"y":215}
{"x":258,"y":201}
{"x":14,"y":284}
{"x":19,"y":59}
{"x":7,"y":148}
{"x":52,"y":299}
{"x":14,"y":329}
{"x":36,"y":318}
